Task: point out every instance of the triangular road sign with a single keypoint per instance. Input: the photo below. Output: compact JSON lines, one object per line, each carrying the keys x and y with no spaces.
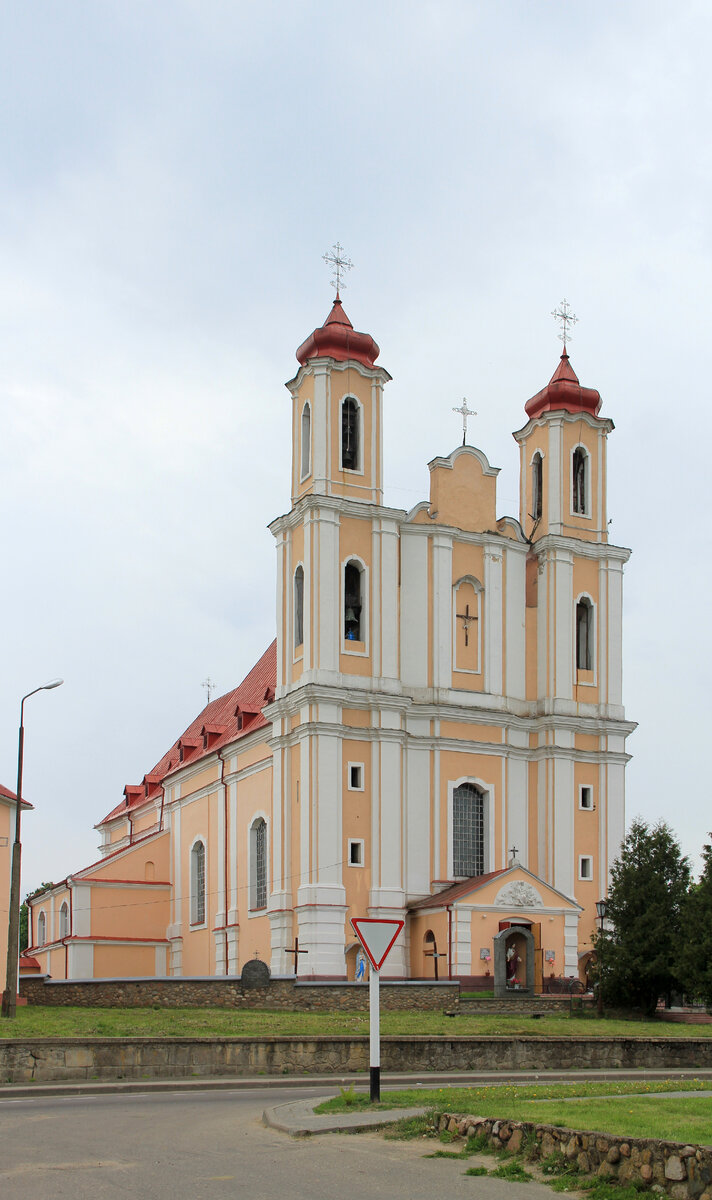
{"x":377,"y":937}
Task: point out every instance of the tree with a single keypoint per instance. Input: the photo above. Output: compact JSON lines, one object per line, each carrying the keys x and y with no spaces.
{"x":697,"y":950}
{"x":640,"y":954}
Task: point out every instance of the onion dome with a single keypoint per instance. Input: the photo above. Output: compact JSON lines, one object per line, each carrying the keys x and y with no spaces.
{"x":338,"y":339}
{"x":564,"y":391}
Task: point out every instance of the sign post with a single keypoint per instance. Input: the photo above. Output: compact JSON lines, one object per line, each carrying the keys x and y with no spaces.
{"x":377,"y":938}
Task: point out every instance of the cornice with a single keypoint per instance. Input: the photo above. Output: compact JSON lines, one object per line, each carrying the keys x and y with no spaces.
{"x":557,"y":415}
{"x":598,"y":550}
{"x":334,"y":364}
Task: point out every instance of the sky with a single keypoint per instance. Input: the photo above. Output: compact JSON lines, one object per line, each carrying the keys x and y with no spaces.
{"x":171,"y":175}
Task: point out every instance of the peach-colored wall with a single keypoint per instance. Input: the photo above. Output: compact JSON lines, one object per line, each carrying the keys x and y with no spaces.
{"x":129,"y":911}
{"x":463,"y":497}
{"x":132,"y":864}
{"x":355,"y":542}
{"x":123,"y":961}
{"x":351,"y":383}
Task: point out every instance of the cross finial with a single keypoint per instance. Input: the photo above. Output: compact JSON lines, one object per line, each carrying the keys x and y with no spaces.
{"x":566,"y":317}
{"x":338,"y":260}
{"x":209,"y":687}
{"x":514,"y":852}
{"x":464,"y":412}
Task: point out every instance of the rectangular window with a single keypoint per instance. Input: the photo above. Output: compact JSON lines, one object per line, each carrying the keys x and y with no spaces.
{"x":355,"y":852}
{"x":355,"y":777}
{"x":585,"y":867}
{"x":586,"y":797}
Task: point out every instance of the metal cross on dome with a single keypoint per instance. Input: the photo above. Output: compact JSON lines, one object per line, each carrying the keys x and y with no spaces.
{"x":566,"y":317}
{"x":464,"y":412}
{"x":338,"y":260}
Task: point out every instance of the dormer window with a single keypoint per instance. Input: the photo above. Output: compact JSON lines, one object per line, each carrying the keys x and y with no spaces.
{"x":350,"y":434}
{"x":580,"y":481}
{"x":537,"y":486}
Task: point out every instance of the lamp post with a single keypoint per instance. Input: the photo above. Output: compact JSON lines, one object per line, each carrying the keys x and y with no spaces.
{"x":9,"y":996}
{"x":601,"y":906}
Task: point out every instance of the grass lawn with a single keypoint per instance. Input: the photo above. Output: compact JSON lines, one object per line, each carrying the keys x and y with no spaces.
{"x":230,"y":1022}
{"x":632,"y":1109}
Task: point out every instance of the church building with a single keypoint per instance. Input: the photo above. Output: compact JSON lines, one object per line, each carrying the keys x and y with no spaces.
{"x":437,"y":733}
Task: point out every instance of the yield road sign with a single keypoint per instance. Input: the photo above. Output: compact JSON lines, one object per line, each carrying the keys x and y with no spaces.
{"x":377,"y":936}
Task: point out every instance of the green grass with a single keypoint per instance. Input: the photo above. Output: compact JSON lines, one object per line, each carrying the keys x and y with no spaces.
{"x":217,"y":1022}
{"x":675,"y":1119}
{"x":499,"y":1101}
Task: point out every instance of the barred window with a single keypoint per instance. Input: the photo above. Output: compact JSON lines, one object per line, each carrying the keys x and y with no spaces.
{"x":197,"y":884}
{"x":258,"y":864}
{"x":468,"y":831}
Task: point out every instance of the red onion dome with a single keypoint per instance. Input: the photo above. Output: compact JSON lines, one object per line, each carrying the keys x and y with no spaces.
{"x":338,"y":339}
{"x":564,"y":391}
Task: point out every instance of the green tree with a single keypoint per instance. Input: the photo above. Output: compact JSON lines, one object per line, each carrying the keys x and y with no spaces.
{"x":697,"y":950}
{"x":25,"y":915}
{"x":640,"y":954}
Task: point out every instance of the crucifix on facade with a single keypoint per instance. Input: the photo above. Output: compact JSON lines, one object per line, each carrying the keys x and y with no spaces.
{"x":295,"y":952}
{"x":435,"y":954}
{"x":467,"y":619}
{"x":513,"y":852}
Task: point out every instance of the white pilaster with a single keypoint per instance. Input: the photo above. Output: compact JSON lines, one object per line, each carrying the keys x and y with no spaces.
{"x":442,"y":610}
{"x":493,"y":622}
{"x":515,"y":610}
{"x":563,"y":623}
{"x":414,"y":609}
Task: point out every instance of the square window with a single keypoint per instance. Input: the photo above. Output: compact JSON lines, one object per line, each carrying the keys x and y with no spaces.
{"x":586,"y":797}
{"x":585,"y":867}
{"x":355,"y":852}
{"x":355,"y":777}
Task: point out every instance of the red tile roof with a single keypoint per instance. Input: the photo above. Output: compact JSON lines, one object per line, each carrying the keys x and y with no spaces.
{"x":248,"y":699}
{"x":13,"y":796}
{"x":449,"y":894}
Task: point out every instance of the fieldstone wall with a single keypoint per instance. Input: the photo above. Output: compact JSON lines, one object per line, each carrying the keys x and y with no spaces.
{"x":669,"y":1167}
{"x":230,"y":992}
{"x":46,"y":1059}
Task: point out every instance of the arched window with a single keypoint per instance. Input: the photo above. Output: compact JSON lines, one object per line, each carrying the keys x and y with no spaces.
{"x":298,"y":607}
{"x":537,"y":486}
{"x":580,"y":480}
{"x":64,"y":920}
{"x":306,"y":441}
{"x":353,"y":602}
{"x":468,"y":831}
{"x":584,"y":635}
{"x":349,"y":434}
{"x":197,"y":884}
{"x":258,"y":864}
{"x":41,"y":929}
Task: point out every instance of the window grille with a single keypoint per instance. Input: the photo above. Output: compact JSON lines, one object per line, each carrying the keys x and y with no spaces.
{"x":259,"y":889}
{"x":468,"y":831}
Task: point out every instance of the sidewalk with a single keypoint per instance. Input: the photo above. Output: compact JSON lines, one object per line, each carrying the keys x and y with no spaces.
{"x":299,"y":1120}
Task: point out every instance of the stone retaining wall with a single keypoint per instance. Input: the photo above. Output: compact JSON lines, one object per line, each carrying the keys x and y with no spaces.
{"x":680,"y":1171}
{"x":46,"y":1059}
{"x":229,"y":992}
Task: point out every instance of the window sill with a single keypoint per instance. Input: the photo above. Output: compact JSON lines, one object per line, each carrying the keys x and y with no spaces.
{"x":198,"y":925}
{"x":257,"y":912}
{"x":354,"y":647}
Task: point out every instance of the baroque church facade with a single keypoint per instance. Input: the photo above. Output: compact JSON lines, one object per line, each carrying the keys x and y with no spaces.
{"x":437,"y":733}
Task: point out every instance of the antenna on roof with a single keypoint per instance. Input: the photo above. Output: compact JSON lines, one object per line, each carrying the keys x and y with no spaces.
{"x":209,"y":687}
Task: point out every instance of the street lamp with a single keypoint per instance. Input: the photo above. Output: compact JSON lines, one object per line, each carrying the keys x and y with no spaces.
{"x":601,"y":907}
{"x":9,"y":996}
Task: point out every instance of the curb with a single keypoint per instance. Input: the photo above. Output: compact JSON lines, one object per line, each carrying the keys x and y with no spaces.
{"x":298,"y":1118}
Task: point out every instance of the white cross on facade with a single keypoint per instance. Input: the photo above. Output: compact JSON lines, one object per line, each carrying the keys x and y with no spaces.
{"x":464,"y":412}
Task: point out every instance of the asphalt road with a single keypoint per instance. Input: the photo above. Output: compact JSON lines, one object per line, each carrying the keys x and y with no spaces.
{"x":213,"y":1145}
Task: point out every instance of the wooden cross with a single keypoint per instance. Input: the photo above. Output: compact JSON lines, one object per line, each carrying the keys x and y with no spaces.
{"x":435,"y":956}
{"x":296,"y":952}
{"x":467,"y":619}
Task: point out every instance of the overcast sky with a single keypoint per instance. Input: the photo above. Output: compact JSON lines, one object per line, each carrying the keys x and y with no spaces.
{"x":171,"y":175}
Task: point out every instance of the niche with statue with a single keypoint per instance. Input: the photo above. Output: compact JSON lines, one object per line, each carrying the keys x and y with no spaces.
{"x":514,"y":962}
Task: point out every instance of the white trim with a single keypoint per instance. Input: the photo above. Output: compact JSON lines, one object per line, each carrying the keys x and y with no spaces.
{"x":586,"y":514}
{"x":488,"y":795}
{"x":252,"y":911}
{"x":200,"y":838}
{"x":585,"y":858}
{"x":362,"y":853}
{"x":356,"y":766}
{"x":588,"y":787}
{"x":302,"y":473}
{"x":365,"y":607}
{"x":479,"y":589}
{"x":358,"y":469}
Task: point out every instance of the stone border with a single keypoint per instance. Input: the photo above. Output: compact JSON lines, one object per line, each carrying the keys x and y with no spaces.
{"x":683,"y":1172}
